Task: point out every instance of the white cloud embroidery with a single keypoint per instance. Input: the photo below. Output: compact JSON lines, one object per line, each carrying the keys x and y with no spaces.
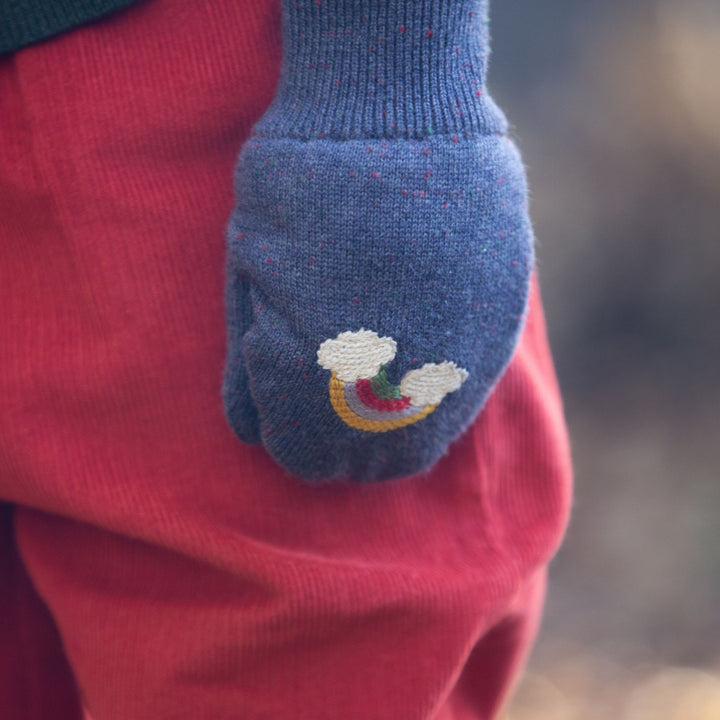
{"x":356,"y":355}
{"x":429,"y":384}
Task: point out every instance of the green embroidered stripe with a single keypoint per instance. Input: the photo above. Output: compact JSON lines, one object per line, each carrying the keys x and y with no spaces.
{"x":383,"y":388}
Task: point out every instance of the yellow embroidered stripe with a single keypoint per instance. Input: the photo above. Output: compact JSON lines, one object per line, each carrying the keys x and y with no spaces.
{"x":337,"y":398}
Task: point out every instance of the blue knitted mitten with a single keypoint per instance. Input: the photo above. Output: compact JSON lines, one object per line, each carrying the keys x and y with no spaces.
{"x":380,"y":250}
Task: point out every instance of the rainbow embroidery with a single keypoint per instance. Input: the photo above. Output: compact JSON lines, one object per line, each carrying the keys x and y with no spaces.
{"x":361,"y":393}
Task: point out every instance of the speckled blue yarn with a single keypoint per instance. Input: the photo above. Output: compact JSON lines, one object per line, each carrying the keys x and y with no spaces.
{"x":378,"y":191}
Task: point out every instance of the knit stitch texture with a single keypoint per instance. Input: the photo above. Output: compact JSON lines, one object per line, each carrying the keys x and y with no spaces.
{"x":380,"y":249}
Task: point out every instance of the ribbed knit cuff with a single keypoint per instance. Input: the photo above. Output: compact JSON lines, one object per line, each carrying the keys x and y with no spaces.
{"x":383,"y":68}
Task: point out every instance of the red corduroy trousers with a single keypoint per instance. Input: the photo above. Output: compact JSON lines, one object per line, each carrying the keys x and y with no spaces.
{"x":151,"y":565}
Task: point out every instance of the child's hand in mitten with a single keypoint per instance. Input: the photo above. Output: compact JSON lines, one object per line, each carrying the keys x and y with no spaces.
{"x":380,"y":250}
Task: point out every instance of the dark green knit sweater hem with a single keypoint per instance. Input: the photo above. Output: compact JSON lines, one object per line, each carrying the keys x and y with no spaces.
{"x":24,"y":22}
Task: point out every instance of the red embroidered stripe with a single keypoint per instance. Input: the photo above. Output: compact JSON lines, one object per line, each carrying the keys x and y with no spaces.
{"x":364,"y":391}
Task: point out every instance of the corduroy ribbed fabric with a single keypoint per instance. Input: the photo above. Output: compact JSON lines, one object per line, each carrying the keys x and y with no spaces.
{"x":152,"y":565}
{"x":23,"y":22}
{"x":379,"y":254}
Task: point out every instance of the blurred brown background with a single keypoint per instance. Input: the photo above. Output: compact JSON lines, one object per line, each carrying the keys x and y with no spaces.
{"x":616,"y":107}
